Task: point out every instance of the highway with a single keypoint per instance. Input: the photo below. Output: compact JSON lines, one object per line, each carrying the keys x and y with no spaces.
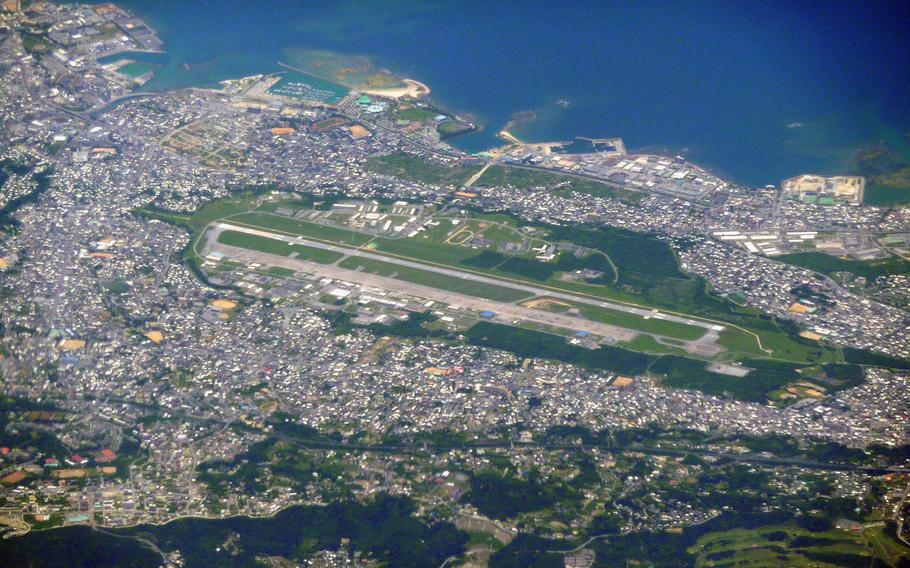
{"x":413,"y":448}
{"x":648,"y":450}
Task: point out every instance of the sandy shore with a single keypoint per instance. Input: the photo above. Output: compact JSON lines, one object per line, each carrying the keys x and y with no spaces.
{"x":412,"y":88}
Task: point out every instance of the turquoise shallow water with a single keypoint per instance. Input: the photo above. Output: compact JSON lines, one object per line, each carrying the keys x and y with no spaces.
{"x":755,"y":91}
{"x":306,"y":87}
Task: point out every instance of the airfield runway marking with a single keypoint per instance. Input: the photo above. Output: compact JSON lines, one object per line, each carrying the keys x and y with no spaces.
{"x":706,"y":344}
{"x":505,"y":312}
{"x":537,"y":290}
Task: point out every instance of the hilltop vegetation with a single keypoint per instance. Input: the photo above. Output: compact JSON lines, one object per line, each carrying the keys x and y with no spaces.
{"x":407,"y":166}
{"x":385,"y":527}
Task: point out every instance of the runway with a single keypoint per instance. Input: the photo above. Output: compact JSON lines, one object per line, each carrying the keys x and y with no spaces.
{"x":705,"y":345}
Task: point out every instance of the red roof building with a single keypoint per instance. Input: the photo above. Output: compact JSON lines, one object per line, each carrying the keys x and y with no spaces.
{"x":105,"y":456}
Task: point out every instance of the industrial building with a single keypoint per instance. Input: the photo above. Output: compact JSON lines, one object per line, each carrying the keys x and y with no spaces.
{"x":810,"y":188}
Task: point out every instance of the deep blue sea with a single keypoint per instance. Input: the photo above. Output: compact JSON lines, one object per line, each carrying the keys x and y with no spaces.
{"x":757,"y":91}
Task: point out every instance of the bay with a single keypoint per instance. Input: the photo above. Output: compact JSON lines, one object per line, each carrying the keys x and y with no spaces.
{"x":756,"y":91}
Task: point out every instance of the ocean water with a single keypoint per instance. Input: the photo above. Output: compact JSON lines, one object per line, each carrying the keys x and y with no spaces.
{"x":756,"y":91}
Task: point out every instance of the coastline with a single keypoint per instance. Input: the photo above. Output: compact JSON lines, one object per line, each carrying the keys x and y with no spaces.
{"x":94,"y":526}
{"x":413,"y":89}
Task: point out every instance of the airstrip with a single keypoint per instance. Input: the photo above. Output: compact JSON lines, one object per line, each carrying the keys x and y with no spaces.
{"x":496,"y":298}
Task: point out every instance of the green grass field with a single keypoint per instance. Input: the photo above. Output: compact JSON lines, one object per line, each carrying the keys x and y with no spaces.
{"x":631,"y":321}
{"x":281,"y":248}
{"x":416,"y":114}
{"x":647,"y":344}
{"x":779,"y":343}
{"x":280,"y":271}
{"x":783,"y":545}
{"x":672,"y":329}
{"x":296,"y":227}
{"x":827,"y":264}
{"x":413,"y":168}
{"x":886,"y":546}
{"x":35,"y":43}
{"x":434,"y":280}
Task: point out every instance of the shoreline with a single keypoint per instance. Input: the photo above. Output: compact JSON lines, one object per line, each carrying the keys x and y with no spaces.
{"x":414,"y":89}
{"x":101,"y":527}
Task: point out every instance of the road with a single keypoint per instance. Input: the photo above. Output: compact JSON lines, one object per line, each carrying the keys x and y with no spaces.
{"x":898,"y":517}
{"x":706,"y":345}
{"x":518,"y":444}
{"x":513,"y":444}
{"x":464,"y":554}
{"x":648,"y":450}
{"x":478,"y":175}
